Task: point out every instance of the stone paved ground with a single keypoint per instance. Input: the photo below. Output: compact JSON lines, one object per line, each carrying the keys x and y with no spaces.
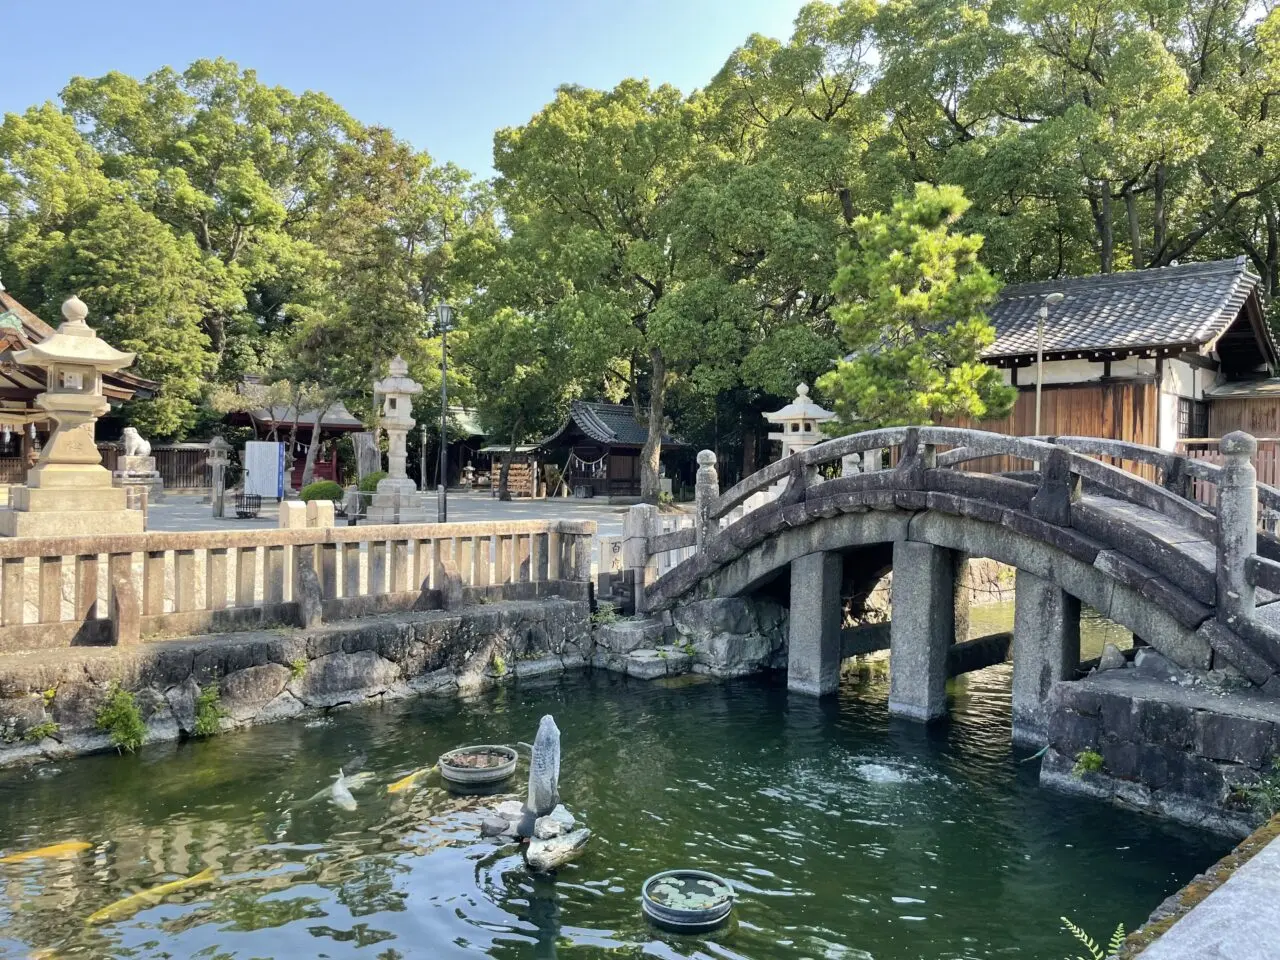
{"x":182,"y":513}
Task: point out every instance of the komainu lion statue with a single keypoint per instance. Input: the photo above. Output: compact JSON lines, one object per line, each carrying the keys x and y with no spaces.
{"x":134,"y":444}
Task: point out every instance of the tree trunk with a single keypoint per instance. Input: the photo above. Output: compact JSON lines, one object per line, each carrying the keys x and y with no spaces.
{"x":1135,"y":228}
{"x":651,"y":452}
{"x":309,"y":467}
{"x":1106,"y":233}
{"x":1157,"y":216}
{"x":748,"y":451}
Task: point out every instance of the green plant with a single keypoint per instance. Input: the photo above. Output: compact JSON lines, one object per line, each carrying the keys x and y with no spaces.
{"x":297,"y":668}
{"x":321,"y":490}
{"x":607,"y":613}
{"x":370,"y":482}
{"x":40,"y":731}
{"x":1263,"y":795}
{"x":499,"y":665}
{"x":1097,"y":952}
{"x":666,"y":500}
{"x":690,"y":650}
{"x":120,"y":717}
{"x":48,"y":696}
{"x":1087,"y":761}
{"x":209,"y":712}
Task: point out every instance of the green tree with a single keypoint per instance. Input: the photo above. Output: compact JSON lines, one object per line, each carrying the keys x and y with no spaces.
{"x":912,"y":294}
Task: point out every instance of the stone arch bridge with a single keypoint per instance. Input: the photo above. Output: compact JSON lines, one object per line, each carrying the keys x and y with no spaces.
{"x":1173,"y":552}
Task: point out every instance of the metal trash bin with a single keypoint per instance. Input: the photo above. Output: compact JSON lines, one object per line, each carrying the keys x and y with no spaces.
{"x":248,"y":505}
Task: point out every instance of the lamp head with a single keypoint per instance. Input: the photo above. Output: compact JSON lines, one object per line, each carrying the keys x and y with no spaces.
{"x":444,"y":316}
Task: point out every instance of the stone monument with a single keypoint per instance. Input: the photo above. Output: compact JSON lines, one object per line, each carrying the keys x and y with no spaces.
{"x":396,"y":500}
{"x":136,"y":467}
{"x":68,"y":492}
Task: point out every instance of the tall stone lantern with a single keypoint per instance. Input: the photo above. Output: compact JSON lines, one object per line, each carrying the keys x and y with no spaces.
{"x":68,"y":492}
{"x":397,"y":498}
{"x":799,"y":423}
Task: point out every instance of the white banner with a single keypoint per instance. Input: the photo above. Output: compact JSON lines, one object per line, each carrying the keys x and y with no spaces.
{"x":264,"y":469}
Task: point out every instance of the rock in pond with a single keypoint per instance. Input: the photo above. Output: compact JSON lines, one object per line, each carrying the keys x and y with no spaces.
{"x":546,"y":855}
{"x":1111,"y":659}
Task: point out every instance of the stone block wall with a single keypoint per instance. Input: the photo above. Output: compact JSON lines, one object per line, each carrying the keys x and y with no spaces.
{"x":275,"y":674}
{"x":1177,"y":746}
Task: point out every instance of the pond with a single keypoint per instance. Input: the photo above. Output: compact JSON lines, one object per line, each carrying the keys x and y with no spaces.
{"x":847,"y":834}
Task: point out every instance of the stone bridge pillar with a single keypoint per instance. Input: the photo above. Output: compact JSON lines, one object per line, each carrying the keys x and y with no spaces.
{"x":922,"y":629}
{"x":813,"y":650}
{"x":1046,"y":648}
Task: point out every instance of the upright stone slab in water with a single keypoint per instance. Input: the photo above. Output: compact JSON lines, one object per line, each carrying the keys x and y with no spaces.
{"x":544,"y":769}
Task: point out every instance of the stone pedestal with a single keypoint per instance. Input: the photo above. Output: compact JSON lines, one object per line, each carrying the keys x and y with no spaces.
{"x":139,"y":473}
{"x":813,"y":650}
{"x":922,"y":629}
{"x":396,"y":501}
{"x":1046,"y":649}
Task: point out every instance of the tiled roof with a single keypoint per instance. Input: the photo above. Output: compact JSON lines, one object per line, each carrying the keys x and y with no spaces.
{"x":1182,"y":306}
{"x":608,"y":423}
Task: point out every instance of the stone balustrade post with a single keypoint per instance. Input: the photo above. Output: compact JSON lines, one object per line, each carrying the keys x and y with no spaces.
{"x":850,"y":465}
{"x":706,"y":490}
{"x":1237,"y":525}
{"x":641,"y":522}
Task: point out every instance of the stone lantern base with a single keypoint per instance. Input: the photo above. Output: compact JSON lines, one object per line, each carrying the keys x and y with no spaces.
{"x":68,"y":511}
{"x":139,"y":473}
{"x":397,"y":501}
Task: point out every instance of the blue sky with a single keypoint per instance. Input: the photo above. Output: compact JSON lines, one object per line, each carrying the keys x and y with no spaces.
{"x":443,"y":75}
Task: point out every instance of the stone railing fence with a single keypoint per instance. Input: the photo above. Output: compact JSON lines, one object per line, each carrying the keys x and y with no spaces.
{"x":120,"y":589}
{"x":1234,"y":514}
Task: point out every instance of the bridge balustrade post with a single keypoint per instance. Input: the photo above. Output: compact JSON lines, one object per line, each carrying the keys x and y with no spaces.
{"x":1237,"y":525}
{"x":705,"y":489}
{"x":850,"y":465}
{"x":641,"y":522}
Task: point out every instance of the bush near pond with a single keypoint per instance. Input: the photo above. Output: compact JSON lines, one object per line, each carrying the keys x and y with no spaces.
{"x":321,"y":490}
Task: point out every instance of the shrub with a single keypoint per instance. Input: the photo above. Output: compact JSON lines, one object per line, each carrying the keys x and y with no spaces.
{"x":321,"y":490}
{"x":40,"y":731}
{"x":121,"y":718}
{"x":1263,"y":795}
{"x":1087,"y":761}
{"x":209,"y":712}
{"x":499,"y":665}
{"x":297,"y":668}
{"x":607,"y":613}
{"x":370,"y":483}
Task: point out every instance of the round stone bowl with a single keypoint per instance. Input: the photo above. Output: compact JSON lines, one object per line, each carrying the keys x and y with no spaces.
{"x":479,"y":776}
{"x":712,"y":901}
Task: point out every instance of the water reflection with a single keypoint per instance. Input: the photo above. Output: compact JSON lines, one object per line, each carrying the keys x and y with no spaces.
{"x":848,"y":834}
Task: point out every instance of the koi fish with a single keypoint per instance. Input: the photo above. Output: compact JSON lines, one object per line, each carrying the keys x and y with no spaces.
{"x":410,"y":781}
{"x":69,"y":849}
{"x":353,"y":783}
{"x":340,"y":794}
{"x":123,"y":909}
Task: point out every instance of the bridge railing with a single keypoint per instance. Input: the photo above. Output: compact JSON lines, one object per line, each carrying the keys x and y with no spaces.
{"x":122,"y":588}
{"x":933,"y":458}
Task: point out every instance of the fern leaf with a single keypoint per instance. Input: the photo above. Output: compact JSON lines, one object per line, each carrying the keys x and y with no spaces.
{"x":1117,"y":940}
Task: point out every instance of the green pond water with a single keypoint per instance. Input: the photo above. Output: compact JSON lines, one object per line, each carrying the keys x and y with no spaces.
{"x":846,"y":834}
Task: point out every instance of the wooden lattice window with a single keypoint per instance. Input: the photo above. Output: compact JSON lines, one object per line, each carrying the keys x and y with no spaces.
{"x":1193,"y":419}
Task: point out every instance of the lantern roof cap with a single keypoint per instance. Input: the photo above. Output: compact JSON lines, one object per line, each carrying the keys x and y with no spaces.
{"x":75,"y":342}
{"x":801,"y":408}
{"x":398,"y":381}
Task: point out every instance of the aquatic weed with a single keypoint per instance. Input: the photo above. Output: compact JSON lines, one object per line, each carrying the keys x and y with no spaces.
{"x":120,"y":717}
{"x":209,"y":712}
{"x":499,"y":665}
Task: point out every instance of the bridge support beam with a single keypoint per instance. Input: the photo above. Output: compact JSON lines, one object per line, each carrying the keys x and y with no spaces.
{"x":922,"y":630}
{"x":814,"y":641}
{"x":1046,"y":649}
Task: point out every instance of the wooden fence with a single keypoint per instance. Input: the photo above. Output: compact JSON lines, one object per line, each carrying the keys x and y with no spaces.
{"x":57,"y":592}
{"x":1266,"y":462}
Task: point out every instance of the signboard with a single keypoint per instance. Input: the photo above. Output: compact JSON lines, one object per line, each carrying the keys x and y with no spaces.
{"x":264,"y":469}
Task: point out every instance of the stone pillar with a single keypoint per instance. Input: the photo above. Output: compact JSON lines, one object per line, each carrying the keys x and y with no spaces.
{"x":1046,"y":649}
{"x":851,"y":465}
{"x":922,"y":629}
{"x":813,"y":651}
{"x":706,"y":490}
{"x":1237,"y":525}
{"x":219,"y":456}
{"x":638,"y":525}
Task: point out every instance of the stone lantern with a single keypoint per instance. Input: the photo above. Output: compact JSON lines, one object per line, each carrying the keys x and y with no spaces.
{"x":397,"y":498}
{"x":219,"y":458}
{"x":68,"y":492}
{"x":799,"y":423}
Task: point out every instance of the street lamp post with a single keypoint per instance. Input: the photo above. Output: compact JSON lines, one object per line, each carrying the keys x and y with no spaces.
{"x":1052,"y":300}
{"x":444,"y":316}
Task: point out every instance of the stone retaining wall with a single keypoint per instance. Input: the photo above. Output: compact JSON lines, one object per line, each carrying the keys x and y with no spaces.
{"x":275,"y":674}
{"x":1172,"y":743}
